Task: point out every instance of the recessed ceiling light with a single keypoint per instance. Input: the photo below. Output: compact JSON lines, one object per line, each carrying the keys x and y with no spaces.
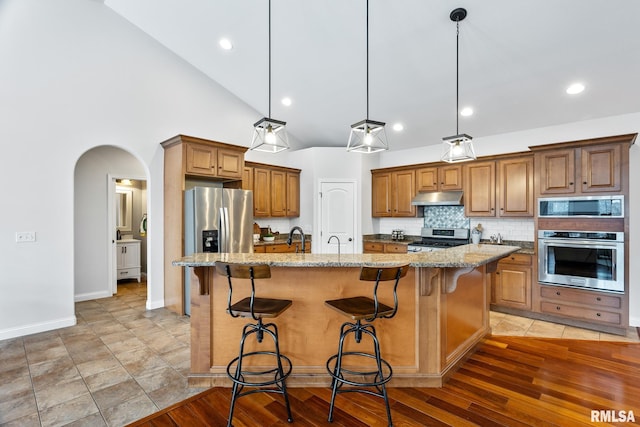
{"x":225,"y":44}
{"x":286,"y":101}
{"x":398,"y":127}
{"x":466,"y":111}
{"x":575,"y":88}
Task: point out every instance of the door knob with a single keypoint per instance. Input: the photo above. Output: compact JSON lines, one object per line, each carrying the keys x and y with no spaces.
{"x":350,"y":239}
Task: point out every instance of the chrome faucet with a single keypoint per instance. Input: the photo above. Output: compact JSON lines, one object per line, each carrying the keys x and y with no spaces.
{"x":290,"y":239}
{"x":338,"y":239}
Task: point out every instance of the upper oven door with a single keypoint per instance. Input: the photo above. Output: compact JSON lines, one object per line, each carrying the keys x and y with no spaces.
{"x":581,"y":263}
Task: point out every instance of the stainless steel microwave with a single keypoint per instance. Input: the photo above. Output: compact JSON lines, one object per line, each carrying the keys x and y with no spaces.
{"x":581,"y":207}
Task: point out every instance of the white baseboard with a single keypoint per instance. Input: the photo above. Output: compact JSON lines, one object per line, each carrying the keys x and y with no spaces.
{"x":92,"y":295}
{"x":152,"y":305}
{"x":35,"y":328}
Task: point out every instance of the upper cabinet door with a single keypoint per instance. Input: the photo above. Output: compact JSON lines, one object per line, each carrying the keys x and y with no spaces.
{"x":381,"y":194}
{"x":557,"y":171}
{"x":201,"y":159}
{"x":450,"y":178}
{"x":261,"y":192}
{"x":601,"y":168}
{"x":230,"y":163}
{"x":427,"y":179}
{"x":480,"y":189}
{"x":293,"y":194}
{"x":515,"y":187}
{"x":278,"y":193}
{"x":403,"y":185}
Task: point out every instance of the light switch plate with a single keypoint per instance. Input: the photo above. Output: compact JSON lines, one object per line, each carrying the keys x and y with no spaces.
{"x":25,"y":236}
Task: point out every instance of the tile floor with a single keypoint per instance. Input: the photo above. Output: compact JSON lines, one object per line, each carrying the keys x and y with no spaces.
{"x":121,"y":363}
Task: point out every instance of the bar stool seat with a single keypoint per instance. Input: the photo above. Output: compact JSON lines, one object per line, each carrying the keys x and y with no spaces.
{"x":259,"y":379}
{"x":364,"y":309}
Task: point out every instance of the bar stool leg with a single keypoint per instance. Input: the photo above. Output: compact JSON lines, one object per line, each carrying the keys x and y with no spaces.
{"x":238,"y":380}
{"x":336,"y":371}
{"x":283,"y":385}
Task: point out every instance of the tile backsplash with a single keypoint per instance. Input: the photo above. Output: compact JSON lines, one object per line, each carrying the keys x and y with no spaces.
{"x":445,"y":217}
{"x":521,"y":229}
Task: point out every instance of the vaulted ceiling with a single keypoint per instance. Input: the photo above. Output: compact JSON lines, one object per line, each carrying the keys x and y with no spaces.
{"x":516,"y":60}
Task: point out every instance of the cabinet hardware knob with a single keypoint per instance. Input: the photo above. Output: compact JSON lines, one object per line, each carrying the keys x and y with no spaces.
{"x":558,"y":307}
{"x":571,"y":183}
{"x":598,"y":314}
{"x":598,"y":299}
{"x":558,"y":293}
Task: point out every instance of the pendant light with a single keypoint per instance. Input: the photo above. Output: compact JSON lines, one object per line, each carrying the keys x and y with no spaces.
{"x":367,"y":136}
{"x":269,"y":135}
{"x":457,"y":148}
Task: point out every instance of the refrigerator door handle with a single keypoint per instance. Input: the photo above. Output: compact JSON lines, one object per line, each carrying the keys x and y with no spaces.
{"x":224,"y":229}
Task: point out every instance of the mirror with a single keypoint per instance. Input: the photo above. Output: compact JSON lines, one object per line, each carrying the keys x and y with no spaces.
{"x":124,"y":200}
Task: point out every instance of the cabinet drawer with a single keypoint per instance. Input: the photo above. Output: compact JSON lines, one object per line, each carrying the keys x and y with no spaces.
{"x":395,"y":248}
{"x":373,"y":247}
{"x":280,"y":248}
{"x":520,"y":259}
{"x":259,"y":249}
{"x":581,"y":297}
{"x":580,"y":312}
{"x":127,"y":273}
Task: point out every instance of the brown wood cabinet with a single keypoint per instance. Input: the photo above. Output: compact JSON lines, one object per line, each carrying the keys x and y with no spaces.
{"x":276,"y":248}
{"x":212,"y":160}
{"x":380,"y":248}
{"x":504,"y":188}
{"x":515,"y":190}
{"x":440,"y":178}
{"x":187,"y":158}
{"x":581,"y":170}
{"x":480,"y":189}
{"x":392,"y":192}
{"x":583,"y":305}
{"x":276,"y":190}
{"x":512,"y":282}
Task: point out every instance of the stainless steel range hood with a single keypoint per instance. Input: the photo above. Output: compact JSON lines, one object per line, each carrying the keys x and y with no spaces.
{"x":439,"y":198}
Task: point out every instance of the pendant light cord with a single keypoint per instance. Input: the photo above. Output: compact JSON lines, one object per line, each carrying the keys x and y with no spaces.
{"x":269,"y":59}
{"x":367,"y":27}
{"x":457,"y":74}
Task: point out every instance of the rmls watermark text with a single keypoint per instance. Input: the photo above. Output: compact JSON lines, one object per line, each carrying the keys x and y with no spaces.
{"x":612,"y":416}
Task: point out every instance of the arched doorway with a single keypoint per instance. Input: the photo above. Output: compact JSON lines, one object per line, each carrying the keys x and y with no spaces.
{"x":94,"y":212}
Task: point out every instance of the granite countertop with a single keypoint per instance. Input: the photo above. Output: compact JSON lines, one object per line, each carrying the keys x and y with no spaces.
{"x":460,"y":256}
{"x":281,"y":239}
{"x":526,"y":247}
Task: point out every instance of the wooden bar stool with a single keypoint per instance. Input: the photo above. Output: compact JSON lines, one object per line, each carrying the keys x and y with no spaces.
{"x":271,"y":380}
{"x":364,"y":309}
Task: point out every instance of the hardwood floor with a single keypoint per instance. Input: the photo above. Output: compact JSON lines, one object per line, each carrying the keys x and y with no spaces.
{"x":510,"y":381}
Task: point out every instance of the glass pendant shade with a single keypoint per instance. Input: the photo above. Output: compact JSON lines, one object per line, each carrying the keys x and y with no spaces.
{"x":457,"y":148}
{"x":367,"y":136}
{"x":270,"y":136}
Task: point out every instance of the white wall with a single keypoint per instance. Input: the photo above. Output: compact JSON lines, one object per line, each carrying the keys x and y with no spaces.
{"x":74,"y":76}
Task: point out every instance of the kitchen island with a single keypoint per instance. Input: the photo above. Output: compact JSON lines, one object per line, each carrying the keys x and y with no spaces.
{"x":443,"y":311}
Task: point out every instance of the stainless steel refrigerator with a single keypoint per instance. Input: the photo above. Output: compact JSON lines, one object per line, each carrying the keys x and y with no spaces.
{"x":216,"y":220}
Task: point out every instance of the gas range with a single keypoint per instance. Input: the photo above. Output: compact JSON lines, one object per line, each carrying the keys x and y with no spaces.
{"x":435,"y":239}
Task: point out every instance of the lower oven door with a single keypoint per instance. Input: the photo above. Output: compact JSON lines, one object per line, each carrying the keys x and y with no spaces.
{"x":584,"y":264}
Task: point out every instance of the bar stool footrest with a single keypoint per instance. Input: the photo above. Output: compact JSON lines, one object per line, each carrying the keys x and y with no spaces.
{"x":286,"y":370}
{"x":331,"y":365}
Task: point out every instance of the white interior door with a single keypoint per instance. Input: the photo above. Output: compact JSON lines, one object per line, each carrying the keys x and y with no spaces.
{"x":338,"y":217}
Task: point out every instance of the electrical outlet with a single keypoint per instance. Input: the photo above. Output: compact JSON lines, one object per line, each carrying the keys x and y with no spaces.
{"x":25,"y":236}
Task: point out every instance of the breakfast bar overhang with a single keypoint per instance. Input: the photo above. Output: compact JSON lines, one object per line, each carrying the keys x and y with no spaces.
{"x":443,"y":311}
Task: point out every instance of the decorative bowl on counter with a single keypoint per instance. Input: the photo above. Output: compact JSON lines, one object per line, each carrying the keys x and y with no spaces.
{"x":268,"y":238}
